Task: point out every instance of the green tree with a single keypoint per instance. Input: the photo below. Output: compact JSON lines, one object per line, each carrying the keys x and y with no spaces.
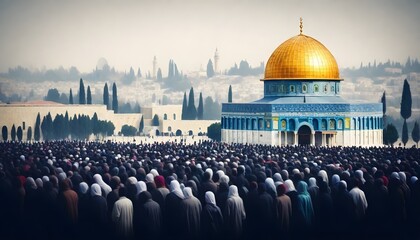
{"x":53,"y":95}
{"x":200,"y":108}
{"x":184,"y":107}
{"x":71,"y":97}
{"x":47,"y":127}
{"x":159,"y":75}
{"x":66,"y":128}
{"x":415,"y":134}
{"x":4,"y":133}
{"x":37,"y":130}
{"x":13,"y":133}
{"x":82,"y":95}
{"x":405,"y":111}
{"x":95,"y":124}
{"x":89,"y":96}
{"x":210,"y":69}
{"x":29,"y":134}
{"x":214,"y":132}
{"x":114,"y":98}
{"x":391,"y":134}
{"x":230,"y":94}
{"x":141,"y":126}
{"x":106,"y":96}
{"x":19,"y":134}
{"x":127,"y":130}
{"x":383,"y":101}
{"x":191,"y":110}
{"x":155,"y":121}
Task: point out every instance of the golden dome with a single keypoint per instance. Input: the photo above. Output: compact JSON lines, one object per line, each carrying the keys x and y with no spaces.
{"x":301,"y":57}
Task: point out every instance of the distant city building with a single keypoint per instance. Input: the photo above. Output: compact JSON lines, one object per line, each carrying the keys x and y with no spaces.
{"x":216,"y":63}
{"x":154,"y":67}
{"x":302,"y":103}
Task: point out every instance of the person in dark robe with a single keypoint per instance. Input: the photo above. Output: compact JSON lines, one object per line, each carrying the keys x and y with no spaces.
{"x":235,"y":214}
{"x":344,"y":211}
{"x":292,"y":193}
{"x":211,"y":219}
{"x":113,"y":196}
{"x":304,"y":209}
{"x":68,"y":209}
{"x":283,"y":212}
{"x":207,"y":185}
{"x":150,"y":218}
{"x":265,"y":213}
{"x":191,"y":215}
{"x":173,"y":211}
{"x":222,"y":192}
{"x":313,"y":191}
{"x":84,"y":211}
{"x":156,"y":195}
{"x":325,"y":212}
{"x":251,"y":208}
{"x":397,"y":207}
{"x":98,"y":210}
{"x":377,"y":212}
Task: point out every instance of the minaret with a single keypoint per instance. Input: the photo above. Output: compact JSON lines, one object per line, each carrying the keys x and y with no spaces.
{"x":216,"y":63}
{"x":154,"y":67}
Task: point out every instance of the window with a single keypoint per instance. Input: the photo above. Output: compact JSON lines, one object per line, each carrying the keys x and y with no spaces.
{"x":169,"y":129}
{"x":326,"y":88}
{"x":340,"y":124}
{"x":165,"y":116}
{"x":23,"y":125}
{"x":292,"y":88}
{"x":174,"y":116}
{"x":267,"y":124}
{"x":332,"y":89}
{"x":316,"y":88}
{"x":332,"y":124}
{"x":283,"y":124}
{"x":304,"y":88}
{"x":282,"y":88}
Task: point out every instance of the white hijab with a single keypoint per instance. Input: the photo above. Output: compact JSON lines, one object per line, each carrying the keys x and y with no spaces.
{"x":210,"y":199}
{"x":289,"y":186}
{"x":323,"y":174}
{"x":95,"y":190}
{"x":187,"y":193}
{"x":83,"y":187}
{"x":141,"y":187}
{"x":269,"y":183}
{"x":233,"y":191}
{"x":176,"y":188}
{"x":98,"y":179}
{"x":312,"y":182}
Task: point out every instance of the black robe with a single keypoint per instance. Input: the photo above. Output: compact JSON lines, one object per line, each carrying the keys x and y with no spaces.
{"x":172,"y":215}
{"x":212,"y":222}
{"x":191,"y":217}
{"x":98,"y":210}
{"x":149,"y":219}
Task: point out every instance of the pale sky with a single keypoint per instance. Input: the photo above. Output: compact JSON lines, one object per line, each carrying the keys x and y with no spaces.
{"x":53,"y":33}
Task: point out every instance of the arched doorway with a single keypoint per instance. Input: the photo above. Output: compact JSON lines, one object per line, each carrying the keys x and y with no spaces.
{"x":304,"y":135}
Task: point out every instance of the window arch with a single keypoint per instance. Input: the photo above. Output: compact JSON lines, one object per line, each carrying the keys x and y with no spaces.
{"x":316,"y":88}
{"x":304,"y":88}
{"x":326,"y":88}
{"x":169,"y":129}
{"x":165,"y":116}
{"x":291,"y":124}
{"x":340,"y":124}
{"x":174,"y":116}
{"x":332,"y":124}
{"x":283,"y":124}
{"x":292,"y":88}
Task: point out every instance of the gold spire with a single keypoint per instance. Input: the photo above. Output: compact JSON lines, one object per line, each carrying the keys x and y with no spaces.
{"x":301,"y":25}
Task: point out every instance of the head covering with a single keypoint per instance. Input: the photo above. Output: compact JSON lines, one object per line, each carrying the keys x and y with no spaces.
{"x":277,"y":177}
{"x":342,"y":185}
{"x":30,"y":183}
{"x":233,"y":191}
{"x":312,"y":182}
{"x":187,"y":192}
{"x":281,"y":189}
{"x":359,"y":175}
{"x":210,"y":199}
{"x":132,"y":180}
{"x":150,"y":178}
{"x":176,"y":188}
{"x":323,"y":174}
{"x":154,"y":172}
{"x":270,"y":186}
{"x":285,"y":174}
{"x":289,"y":186}
{"x":141,"y":187}
{"x":95,"y":190}
{"x":45,"y":179}
{"x":209,"y":170}
{"x":395,"y":175}
{"x":302,"y":188}
{"x":224,"y":179}
{"x":335,"y":180}
{"x":414,"y":179}
{"x":83,"y":187}
{"x":403,"y":177}
{"x":160,"y":181}
{"x":98,"y":179}
{"x":39,"y":183}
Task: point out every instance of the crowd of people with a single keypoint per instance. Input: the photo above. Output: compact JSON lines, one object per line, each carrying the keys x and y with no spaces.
{"x":207,"y":190}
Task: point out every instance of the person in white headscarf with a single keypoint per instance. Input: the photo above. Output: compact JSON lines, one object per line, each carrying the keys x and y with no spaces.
{"x":141,"y":187}
{"x":212,"y":218}
{"x":324,"y":176}
{"x":150,"y":178}
{"x":277,"y":178}
{"x":98,"y":212}
{"x":173,"y":210}
{"x":234,"y":213}
{"x":191,"y":214}
{"x":105,"y":188}
{"x":359,"y":175}
{"x":271,"y":187}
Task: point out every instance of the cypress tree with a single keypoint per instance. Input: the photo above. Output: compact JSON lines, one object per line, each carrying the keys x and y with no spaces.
{"x":95,"y":124}
{"x":415,"y":134}
{"x":159,"y":75}
{"x":404,"y":137}
{"x":191,"y":110}
{"x":71,"y":97}
{"x":230,"y":94}
{"x":210,"y":70}
{"x":392,"y":134}
{"x":13,"y":133}
{"x":37,"y":130}
{"x":89,"y":96}
{"x":106,"y":96}
{"x":29,"y":134}
{"x":200,"y":108}
{"x":82,"y":95}
{"x":66,"y":125}
{"x":141,"y":127}
{"x":405,"y":111}
{"x":155,"y":121}
{"x":114,"y":98}
{"x":383,"y":101}
{"x":19,"y":133}
{"x":4,"y":133}
{"x":184,"y":107}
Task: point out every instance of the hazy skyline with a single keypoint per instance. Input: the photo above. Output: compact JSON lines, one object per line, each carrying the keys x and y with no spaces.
{"x":50,"y":33}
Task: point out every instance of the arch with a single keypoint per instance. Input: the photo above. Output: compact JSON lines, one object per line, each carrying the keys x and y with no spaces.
{"x":332,"y":124}
{"x":316,"y":88}
{"x":254,"y":124}
{"x":353,"y":123}
{"x":315,"y":124}
{"x":260,"y":124}
{"x":304,"y":88}
{"x":169,"y":129}
{"x":292,"y":88}
{"x":190,"y":132}
{"x":292,"y":124}
{"x":178,"y":132}
{"x":283,"y":124}
{"x":340,"y":124}
{"x":304,"y":135}
{"x":243,"y":125}
{"x":323,"y":124}
{"x":157,"y":132}
{"x":248,"y":124}
{"x":174,"y":116}
{"x":165,"y":116}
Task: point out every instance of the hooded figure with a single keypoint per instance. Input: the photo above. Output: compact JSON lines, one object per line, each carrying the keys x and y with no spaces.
{"x":283,"y":210}
{"x":344,"y":209}
{"x":149,"y":220}
{"x":304,"y":209}
{"x":122,"y":216}
{"x":191,"y":214}
{"x":68,"y":208}
{"x":98,"y":212}
{"x":173,"y":210}
{"x":324,"y":176}
{"x":235,"y":213}
{"x":211,"y":218}
{"x":266,"y":212}
{"x":105,"y":188}
{"x":270,"y":187}
{"x":292,"y":193}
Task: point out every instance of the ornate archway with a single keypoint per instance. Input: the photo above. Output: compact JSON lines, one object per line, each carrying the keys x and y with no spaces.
{"x":304,"y":135}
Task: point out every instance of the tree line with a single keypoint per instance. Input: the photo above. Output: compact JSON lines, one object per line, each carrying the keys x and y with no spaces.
{"x":206,"y":110}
